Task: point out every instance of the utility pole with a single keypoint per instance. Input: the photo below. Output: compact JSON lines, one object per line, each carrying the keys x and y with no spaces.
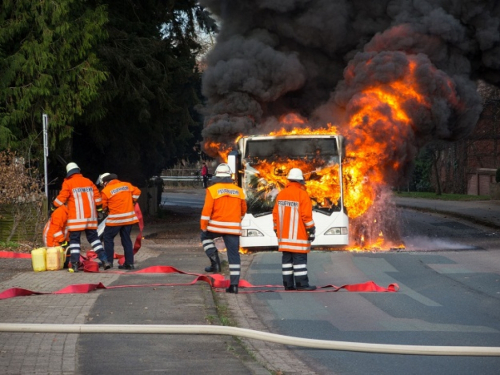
{"x":45,"y":121}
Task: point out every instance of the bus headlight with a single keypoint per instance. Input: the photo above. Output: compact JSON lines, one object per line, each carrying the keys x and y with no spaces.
{"x":336,"y":231}
{"x":251,"y":233}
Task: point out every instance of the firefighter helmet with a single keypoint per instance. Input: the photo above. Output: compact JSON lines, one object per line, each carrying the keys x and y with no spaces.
{"x":71,"y":169}
{"x":223,"y":170}
{"x":295,"y":174}
{"x":108,"y":177}
{"x":100,"y":181}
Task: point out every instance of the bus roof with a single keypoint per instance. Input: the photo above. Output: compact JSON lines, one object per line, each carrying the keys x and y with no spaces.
{"x":299,"y":145}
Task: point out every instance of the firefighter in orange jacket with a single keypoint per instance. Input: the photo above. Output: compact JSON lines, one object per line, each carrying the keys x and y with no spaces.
{"x":55,"y":232}
{"x":294,"y":227}
{"x":83,"y":200}
{"x":119,"y":198}
{"x":221,"y":216}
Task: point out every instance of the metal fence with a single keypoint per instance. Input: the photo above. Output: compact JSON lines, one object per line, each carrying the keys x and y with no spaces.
{"x":182,"y":178}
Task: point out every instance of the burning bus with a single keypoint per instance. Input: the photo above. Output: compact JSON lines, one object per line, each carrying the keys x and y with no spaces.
{"x":261,"y":164}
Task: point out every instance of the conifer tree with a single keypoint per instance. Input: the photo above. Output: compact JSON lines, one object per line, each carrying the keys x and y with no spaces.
{"x":47,"y":65}
{"x":152,"y":89}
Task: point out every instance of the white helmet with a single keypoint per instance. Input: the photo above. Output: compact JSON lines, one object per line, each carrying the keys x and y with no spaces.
{"x":223,"y":170}
{"x":100,"y":182}
{"x":295,"y":174}
{"x":71,"y":169}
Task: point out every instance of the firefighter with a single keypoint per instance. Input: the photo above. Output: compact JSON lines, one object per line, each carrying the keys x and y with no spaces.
{"x":118,"y":199}
{"x":84,"y":201}
{"x":221,"y":216}
{"x":294,"y":227}
{"x":55,"y":232}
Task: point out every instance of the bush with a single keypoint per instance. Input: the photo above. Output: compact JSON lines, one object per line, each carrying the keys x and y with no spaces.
{"x":497,"y":176}
{"x":21,"y":199}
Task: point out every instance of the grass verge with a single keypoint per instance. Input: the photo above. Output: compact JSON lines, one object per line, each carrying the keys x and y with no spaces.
{"x":445,"y":197}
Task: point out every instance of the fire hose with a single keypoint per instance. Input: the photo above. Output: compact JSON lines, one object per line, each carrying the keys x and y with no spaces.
{"x":252,"y":334}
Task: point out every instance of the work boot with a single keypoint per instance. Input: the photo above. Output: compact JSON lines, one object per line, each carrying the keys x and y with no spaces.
{"x":232,"y":289}
{"x":74,"y":266}
{"x":215,"y":266}
{"x":126,"y":266}
{"x":289,"y":286}
{"x":104,"y":260}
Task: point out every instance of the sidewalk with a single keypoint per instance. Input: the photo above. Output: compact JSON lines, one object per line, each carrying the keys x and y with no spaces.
{"x":45,"y":353}
{"x":485,"y":213}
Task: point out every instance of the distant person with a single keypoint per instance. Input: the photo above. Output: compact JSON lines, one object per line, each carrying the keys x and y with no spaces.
{"x":118,"y":199}
{"x":55,"y":232}
{"x":205,"y":175}
{"x":221,"y":216}
{"x":84,"y":201}
{"x":294,"y":227}
{"x":159,"y":189}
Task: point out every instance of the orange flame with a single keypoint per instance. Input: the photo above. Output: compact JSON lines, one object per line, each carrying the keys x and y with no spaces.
{"x":378,"y":124}
{"x":222,"y":150}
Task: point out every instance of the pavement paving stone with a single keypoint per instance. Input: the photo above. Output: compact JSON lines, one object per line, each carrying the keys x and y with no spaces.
{"x":49,"y":353}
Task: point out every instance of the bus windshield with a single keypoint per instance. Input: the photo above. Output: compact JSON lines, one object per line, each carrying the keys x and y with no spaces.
{"x":266,"y":164}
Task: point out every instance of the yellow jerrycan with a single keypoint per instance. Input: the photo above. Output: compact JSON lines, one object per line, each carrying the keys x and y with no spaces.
{"x":54,"y":258}
{"x":38,"y":259}
{"x":63,"y":255}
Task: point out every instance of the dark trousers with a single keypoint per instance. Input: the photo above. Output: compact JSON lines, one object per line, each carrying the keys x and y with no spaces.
{"x":109,"y":235}
{"x":92,"y":238}
{"x":294,"y":269}
{"x":232,"y":243}
{"x":205,"y":181}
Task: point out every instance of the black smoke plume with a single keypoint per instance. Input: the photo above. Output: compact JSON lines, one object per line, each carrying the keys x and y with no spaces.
{"x":328,"y":60}
{"x":273,"y":57}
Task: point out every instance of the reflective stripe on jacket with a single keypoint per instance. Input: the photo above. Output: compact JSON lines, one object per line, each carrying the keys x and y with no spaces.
{"x":224,"y":209}
{"x":82,"y":197}
{"x":118,"y":198}
{"x":55,"y":231}
{"x":292,"y":215}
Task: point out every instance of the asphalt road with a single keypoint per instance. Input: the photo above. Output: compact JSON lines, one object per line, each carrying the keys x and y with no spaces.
{"x":449,"y":279}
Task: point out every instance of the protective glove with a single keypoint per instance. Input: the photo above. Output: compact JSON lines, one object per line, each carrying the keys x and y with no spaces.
{"x":52,"y":207}
{"x":311,"y":232}
{"x":100,"y":216}
{"x":64,"y":244}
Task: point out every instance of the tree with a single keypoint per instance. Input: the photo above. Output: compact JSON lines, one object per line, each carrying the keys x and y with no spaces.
{"x":47,"y":65}
{"x":422,"y":170}
{"x":149,"y":97}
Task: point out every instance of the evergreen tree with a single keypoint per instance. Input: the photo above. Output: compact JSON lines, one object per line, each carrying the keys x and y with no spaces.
{"x":149,"y":97}
{"x":47,"y":65}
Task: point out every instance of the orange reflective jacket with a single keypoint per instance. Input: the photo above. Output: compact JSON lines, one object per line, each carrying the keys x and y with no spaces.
{"x":119,"y":198}
{"x":224,"y":209}
{"x":292,"y":215}
{"x":82,"y":197}
{"x":55,"y":231}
